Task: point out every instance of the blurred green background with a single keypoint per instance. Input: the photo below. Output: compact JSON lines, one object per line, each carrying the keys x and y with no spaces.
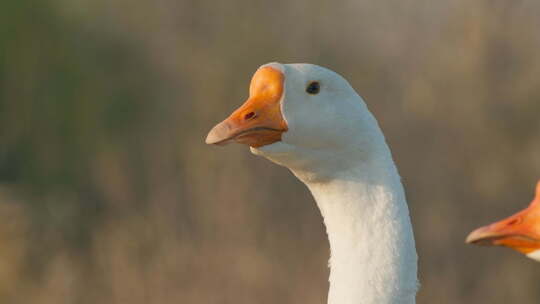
{"x":108,"y":193}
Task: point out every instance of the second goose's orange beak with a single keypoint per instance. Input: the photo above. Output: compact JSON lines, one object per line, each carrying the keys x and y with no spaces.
{"x":520,"y":231}
{"x":259,"y":121}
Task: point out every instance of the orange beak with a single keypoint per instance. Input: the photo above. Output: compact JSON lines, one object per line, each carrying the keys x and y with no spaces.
{"x":258,"y":122}
{"x":520,"y":231}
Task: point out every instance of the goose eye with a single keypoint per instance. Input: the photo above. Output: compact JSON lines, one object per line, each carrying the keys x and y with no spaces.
{"x":313,"y":88}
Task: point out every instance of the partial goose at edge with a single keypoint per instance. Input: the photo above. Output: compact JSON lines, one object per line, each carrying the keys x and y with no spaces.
{"x":520,"y":231}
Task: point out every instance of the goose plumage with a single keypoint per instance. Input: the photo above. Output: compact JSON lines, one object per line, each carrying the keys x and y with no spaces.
{"x":520,"y":231}
{"x":310,"y":120}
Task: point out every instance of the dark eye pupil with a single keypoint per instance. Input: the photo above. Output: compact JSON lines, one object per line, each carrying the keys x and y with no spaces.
{"x":313,"y":88}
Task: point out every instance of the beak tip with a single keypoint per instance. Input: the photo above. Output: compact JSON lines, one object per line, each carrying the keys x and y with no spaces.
{"x":218,"y":135}
{"x":209,"y":139}
{"x":470,"y":239}
{"x":475,"y":236}
{"x":212,"y":139}
{"x":482,"y":236}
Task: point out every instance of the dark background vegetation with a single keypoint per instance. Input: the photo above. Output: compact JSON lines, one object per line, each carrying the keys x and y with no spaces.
{"x":108,"y":193}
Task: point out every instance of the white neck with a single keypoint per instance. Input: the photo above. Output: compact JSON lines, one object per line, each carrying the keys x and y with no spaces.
{"x":361,"y":198}
{"x":373,"y":255}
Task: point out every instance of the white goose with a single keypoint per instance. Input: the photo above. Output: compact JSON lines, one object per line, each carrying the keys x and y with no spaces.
{"x":310,"y":120}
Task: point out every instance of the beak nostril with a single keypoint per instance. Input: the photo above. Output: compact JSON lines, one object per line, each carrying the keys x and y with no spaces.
{"x":513,"y":222}
{"x":249,"y":115}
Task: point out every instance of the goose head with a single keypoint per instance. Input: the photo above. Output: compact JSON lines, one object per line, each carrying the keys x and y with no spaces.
{"x":520,"y":231}
{"x":305,"y":117}
{"x":310,"y":120}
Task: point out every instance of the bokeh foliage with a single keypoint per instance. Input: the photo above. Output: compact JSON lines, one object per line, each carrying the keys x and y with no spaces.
{"x":109,"y":195}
